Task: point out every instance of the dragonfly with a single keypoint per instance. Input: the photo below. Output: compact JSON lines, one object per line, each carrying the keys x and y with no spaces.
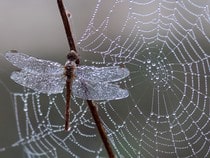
{"x":85,"y":82}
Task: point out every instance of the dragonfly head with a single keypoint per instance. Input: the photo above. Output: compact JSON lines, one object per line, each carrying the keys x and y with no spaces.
{"x":72,"y":56}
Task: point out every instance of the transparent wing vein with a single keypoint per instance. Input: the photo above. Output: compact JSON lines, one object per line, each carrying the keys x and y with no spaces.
{"x":99,"y":74}
{"x":97,"y":90}
{"x":43,"y":83}
{"x":32,"y":64}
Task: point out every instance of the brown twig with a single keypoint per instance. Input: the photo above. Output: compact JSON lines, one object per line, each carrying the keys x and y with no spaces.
{"x":66,"y":25}
{"x":100,"y":127}
{"x":91,"y":105}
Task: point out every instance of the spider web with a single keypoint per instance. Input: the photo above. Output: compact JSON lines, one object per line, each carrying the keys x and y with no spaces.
{"x":164,"y":44}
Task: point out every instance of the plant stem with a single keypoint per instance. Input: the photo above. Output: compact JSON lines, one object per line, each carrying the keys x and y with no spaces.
{"x":66,"y":25}
{"x":100,"y":127}
{"x":90,"y":103}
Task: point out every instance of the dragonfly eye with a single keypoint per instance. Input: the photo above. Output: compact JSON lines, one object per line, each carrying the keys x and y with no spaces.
{"x":72,"y":56}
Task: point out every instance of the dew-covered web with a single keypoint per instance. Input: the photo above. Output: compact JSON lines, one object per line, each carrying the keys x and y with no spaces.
{"x":165,"y":45}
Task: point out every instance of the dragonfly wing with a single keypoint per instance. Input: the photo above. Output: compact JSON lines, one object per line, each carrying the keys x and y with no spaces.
{"x":32,"y":64}
{"x":43,"y":83}
{"x":102,"y":74}
{"x":97,"y":91}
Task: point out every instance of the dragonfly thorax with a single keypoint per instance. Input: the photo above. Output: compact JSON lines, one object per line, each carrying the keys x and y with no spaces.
{"x":69,"y":67}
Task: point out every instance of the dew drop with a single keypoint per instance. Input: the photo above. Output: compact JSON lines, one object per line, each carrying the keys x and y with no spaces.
{"x":25,"y":109}
{"x":148,"y":61}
